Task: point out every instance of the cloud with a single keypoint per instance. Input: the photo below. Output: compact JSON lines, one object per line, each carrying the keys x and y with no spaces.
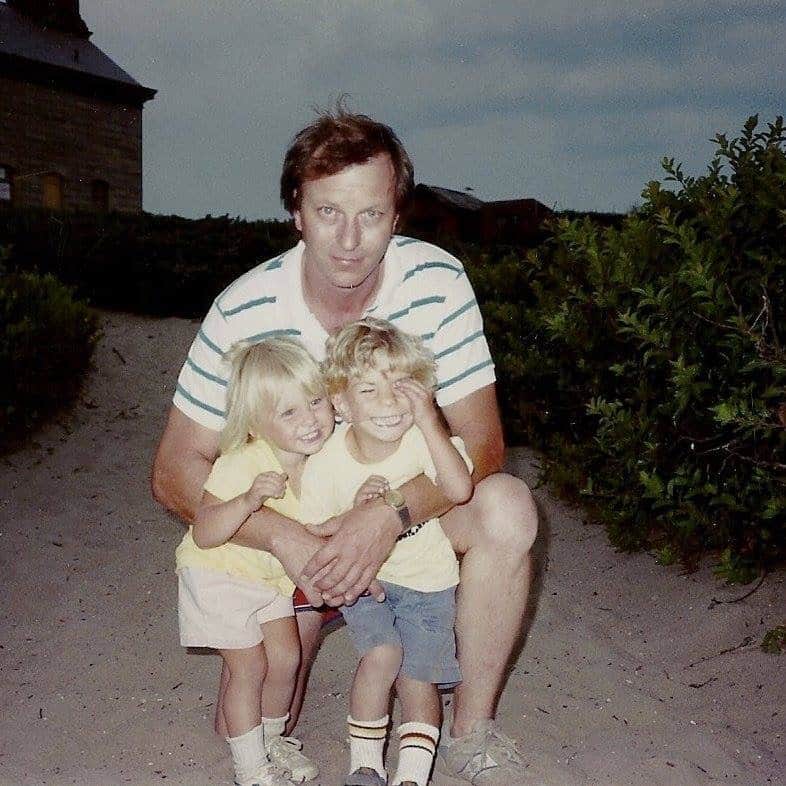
{"x":572,"y":104}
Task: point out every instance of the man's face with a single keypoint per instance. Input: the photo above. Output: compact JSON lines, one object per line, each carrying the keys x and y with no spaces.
{"x":346,"y":221}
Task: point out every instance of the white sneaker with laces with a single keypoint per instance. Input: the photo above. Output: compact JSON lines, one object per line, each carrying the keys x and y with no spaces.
{"x":285,"y":752}
{"x":268,"y":774}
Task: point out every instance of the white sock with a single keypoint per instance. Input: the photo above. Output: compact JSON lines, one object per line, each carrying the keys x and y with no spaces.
{"x":418,"y":743}
{"x":366,"y":743}
{"x":248,"y":754}
{"x":273,"y":727}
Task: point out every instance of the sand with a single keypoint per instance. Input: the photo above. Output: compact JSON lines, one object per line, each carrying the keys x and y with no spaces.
{"x":631,"y":673}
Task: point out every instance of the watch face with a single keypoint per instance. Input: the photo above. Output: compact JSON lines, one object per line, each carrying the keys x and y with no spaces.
{"x":395,"y":498}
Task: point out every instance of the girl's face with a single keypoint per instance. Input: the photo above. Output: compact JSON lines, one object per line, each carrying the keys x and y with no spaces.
{"x":298,"y":423}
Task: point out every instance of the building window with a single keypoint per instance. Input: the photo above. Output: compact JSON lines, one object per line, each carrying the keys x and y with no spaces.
{"x":99,"y":193}
{"x":53,"y":191}
{"x":6,"y":184}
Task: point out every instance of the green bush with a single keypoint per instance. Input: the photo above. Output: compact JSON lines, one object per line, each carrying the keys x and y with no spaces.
{"x":46,"y":340}
{"x":147,"y":264}
{"x":647,"y":360}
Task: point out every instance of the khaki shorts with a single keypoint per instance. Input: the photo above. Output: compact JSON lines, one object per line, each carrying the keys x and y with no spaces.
{"x":225,"y":612}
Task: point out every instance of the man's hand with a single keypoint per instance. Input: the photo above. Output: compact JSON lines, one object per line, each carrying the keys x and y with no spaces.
{"x":373,"y":487}
{"x":360,"y":540}
{"x":293,"y":546}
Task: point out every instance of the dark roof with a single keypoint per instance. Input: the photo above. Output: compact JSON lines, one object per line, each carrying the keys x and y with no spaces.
{"x":455,"y":198}
{"x":51,"y":56}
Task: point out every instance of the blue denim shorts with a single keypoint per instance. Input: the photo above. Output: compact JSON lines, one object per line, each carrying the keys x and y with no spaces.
{"x":421,"y":623}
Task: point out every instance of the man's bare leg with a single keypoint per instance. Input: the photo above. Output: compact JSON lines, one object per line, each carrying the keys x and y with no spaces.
{"x":494,"y":532}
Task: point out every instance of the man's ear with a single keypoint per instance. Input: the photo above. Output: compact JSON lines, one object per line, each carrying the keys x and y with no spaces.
{"x":339,"y":402}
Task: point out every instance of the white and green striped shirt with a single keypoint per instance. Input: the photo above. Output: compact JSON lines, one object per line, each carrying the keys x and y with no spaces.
{"x":424,"y":291}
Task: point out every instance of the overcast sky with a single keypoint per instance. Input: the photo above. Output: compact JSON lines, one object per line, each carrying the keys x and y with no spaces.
{"x":527,"y":98}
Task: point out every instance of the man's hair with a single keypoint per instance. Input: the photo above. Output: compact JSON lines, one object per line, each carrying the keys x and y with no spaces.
{"x":370,"y":342}
{"x":336,"y":140}
{"x":261,"y":374}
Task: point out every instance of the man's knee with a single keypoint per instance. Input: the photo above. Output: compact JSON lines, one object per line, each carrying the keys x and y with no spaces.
{"x":507,"y":517}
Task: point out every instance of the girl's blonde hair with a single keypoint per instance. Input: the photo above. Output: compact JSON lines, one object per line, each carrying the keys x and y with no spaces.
{"x":363,"y":344}
{"x":261,"y":374}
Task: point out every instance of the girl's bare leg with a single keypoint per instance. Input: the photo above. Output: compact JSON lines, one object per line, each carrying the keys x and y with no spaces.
{"x":246,"y":670}
{"x":309,"y":625}
{"x":282,"y":648}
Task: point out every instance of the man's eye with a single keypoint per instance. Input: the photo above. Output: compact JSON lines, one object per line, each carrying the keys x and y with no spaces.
{"x":327,"y":211}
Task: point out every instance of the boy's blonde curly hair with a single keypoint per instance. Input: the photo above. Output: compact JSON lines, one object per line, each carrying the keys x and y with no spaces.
{"x":369,"y":343}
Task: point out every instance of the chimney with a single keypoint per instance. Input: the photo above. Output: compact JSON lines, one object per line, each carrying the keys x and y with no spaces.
{"x":62,"y":15}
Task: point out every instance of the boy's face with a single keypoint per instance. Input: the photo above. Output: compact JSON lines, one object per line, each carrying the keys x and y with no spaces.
{"x":374,"y":406}
{"x":298,"y":423}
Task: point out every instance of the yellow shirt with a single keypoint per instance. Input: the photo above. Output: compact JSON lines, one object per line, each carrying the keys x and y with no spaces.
{"x":232,"y":475}
{"x":425,"y":561}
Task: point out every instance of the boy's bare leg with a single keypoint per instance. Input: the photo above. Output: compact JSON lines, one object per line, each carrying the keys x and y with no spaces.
{"x":494,"y":532}
{"x":421,"y":712}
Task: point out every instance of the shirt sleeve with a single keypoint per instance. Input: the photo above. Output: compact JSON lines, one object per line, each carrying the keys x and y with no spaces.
{"x":202,"y":385}
{"x":232,"y":475}
{"x":464,"y":362}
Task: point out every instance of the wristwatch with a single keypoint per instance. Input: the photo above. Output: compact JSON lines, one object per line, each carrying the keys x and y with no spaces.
{"x":395,"y":499}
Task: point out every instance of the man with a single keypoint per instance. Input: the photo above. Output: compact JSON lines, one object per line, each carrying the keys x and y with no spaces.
{"x":346,"y":179}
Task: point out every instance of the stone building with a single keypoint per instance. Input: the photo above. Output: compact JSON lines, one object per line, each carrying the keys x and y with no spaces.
{"x":70,"y":118}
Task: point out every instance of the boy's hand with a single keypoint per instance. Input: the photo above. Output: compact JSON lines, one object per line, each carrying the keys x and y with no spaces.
{"x":421,"y":402}
{"x":374,"y":486}
{"x":265,"y":486}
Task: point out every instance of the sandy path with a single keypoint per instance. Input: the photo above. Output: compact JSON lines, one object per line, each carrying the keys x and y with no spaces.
{"x":631,"y":673}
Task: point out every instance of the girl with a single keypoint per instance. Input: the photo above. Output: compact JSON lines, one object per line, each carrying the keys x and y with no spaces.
{"x":239,"y":600}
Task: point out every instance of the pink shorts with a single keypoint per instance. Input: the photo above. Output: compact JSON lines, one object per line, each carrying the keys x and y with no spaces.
{"x":225,"y":612}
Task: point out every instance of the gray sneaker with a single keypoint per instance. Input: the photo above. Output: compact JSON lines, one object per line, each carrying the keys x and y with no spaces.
{"x":285,"y":753}
{"x":365,"y":776}
{"x":484,"y":757}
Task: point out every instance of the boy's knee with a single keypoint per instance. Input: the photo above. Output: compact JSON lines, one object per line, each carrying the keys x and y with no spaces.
{"x":384,"y":658}
{"x":507,"y":515}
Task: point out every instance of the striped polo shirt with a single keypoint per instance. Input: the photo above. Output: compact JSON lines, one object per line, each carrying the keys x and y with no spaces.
{"x":424,"y":291}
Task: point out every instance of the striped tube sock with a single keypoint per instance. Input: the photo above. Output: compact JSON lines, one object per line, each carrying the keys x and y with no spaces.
{"x":366,"y":743}
{"x":418,"y":743}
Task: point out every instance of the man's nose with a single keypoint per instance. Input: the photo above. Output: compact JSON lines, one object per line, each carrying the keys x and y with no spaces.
{"x":349,"y":234}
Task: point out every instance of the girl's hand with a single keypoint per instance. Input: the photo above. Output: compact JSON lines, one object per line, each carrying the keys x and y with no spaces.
{"x":421,"y":402}
{"x":374,"y":486}
{"x":265,"y":486}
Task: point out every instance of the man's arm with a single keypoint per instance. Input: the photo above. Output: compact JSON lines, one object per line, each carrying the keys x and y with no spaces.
{"x":362,"y":538}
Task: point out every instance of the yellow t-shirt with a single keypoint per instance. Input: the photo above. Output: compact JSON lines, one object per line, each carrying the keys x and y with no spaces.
{"x":424,"y":561}
{"x":232,"y":475}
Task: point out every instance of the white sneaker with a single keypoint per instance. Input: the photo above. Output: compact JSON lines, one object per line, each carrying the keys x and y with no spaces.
{"x":268,"y":774}
{"x":285,"y":753}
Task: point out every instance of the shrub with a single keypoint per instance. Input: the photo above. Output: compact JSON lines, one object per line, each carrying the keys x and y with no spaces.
{"x":647,"y":359}
{"x":46,"y":340}
{"x":147,"y":264}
